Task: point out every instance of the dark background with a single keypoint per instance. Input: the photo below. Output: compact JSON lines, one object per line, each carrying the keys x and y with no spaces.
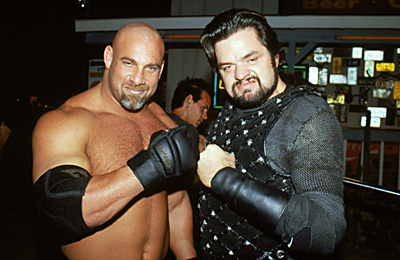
{"x":46,"y":58}
{"x":44,"y":63}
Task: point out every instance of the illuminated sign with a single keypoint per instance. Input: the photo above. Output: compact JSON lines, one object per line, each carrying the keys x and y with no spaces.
{"x":339,"y":7}
{"x":323,"y":57}
{"x":378,"y":111}
{"x":356,"y":52}
{"x":313,"y":75}
{"x":335,"y":99}
{"x":396,"y":90}
{"x":219,"y":92}
{"x":318,"y":50}
{"x":337,"y":79}
{"x":369,"y":68}
{"x":383,"y":88}
{"x":323,"y":77}
{"x":376,"y":114}
{"x":381,"y":93}
{"x":299,"y":70}
{"x":375,"y":55}
{"x":343,"y":113}
{"x":337,"y":65}
{"x":375,"y":121}
{"x":385,"y":66}
{"x":352,"y":75}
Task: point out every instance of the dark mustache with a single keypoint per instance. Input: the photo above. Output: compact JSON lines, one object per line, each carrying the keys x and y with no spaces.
{"x":239,"y":82}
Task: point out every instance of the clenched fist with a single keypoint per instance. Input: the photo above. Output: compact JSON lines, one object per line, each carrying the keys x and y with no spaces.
{"x":211,"y":161}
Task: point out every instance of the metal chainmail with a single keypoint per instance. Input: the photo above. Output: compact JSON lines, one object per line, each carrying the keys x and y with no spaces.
{"x":225,"y":234}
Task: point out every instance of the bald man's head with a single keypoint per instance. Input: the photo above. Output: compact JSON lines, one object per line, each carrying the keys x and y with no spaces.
{"x":134,"y":64}
{"x":138,"y":31}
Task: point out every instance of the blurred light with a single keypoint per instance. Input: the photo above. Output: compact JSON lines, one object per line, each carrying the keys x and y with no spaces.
{"x":357,"y":52}
{"x":375,"y":121}
{"x":375,"y":55}
{"x":313,"y":75}
{"x":82,"y":3}
{"x":337,"y":79}
{"x":379,"y":112}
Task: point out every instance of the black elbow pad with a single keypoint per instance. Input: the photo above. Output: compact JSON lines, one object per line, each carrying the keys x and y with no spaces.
{"x":58,"y":196}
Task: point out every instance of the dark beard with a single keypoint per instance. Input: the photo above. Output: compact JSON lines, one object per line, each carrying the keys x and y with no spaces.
{"x":259,"y":98}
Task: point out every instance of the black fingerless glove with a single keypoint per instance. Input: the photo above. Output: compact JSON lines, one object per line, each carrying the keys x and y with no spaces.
{"x":170,"y":153}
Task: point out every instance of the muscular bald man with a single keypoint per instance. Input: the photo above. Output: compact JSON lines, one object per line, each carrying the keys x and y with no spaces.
{"x":101,"y":159}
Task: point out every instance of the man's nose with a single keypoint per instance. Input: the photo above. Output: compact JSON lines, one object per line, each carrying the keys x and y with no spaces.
{"x":137,"y":77}
{"x":241,"y":72}
{"x":204,"y":114}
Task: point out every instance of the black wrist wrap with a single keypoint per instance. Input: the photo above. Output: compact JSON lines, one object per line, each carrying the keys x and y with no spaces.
{"x":145,"y":170}
{"x":260,"y":204}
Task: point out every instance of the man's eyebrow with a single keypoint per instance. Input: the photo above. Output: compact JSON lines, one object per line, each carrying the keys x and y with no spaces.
{"x":223,"y":64}
{"x":252,"y":53}
{"x":154,"y":65}
{"x":128,"y":59}
{"x":134,"y":61}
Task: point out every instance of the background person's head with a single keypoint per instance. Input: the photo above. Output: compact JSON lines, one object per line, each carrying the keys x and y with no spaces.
{"x":191,"y":101}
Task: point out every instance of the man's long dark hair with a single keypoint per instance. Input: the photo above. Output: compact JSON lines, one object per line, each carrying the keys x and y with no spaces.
{"x":227,"y":23}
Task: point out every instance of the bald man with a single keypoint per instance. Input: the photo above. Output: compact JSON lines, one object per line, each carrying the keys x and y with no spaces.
{"x":101,"y":159}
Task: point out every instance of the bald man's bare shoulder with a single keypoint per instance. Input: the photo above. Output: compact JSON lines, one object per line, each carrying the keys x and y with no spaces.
{"x":160,"y":113}
{"x":86,"y":100}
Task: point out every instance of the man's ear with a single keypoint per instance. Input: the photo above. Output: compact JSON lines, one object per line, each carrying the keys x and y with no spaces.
{"x":277,"y":60}
{"x":188,"y":99}
{"x":161,"y":69}
{"x":108,"y":56}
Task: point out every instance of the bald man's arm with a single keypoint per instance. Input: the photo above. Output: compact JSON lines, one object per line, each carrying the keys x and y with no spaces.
{"x":181,"y":225}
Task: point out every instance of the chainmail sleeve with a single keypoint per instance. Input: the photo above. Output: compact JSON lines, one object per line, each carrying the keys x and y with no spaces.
{"x":306,"y":143}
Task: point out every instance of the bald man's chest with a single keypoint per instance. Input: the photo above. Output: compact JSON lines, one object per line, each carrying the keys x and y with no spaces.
{"x":114,"y":140}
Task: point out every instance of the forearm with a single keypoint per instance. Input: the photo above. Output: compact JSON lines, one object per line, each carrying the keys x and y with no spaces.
{"x":181,"y":226}
{"x":108,"y":194}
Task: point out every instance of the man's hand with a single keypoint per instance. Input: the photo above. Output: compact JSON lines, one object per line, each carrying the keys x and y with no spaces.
{"x":170,"y":153}
{"x":211,"y":161}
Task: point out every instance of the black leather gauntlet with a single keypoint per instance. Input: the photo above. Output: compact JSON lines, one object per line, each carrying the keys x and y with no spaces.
{"x":262,"y":205}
